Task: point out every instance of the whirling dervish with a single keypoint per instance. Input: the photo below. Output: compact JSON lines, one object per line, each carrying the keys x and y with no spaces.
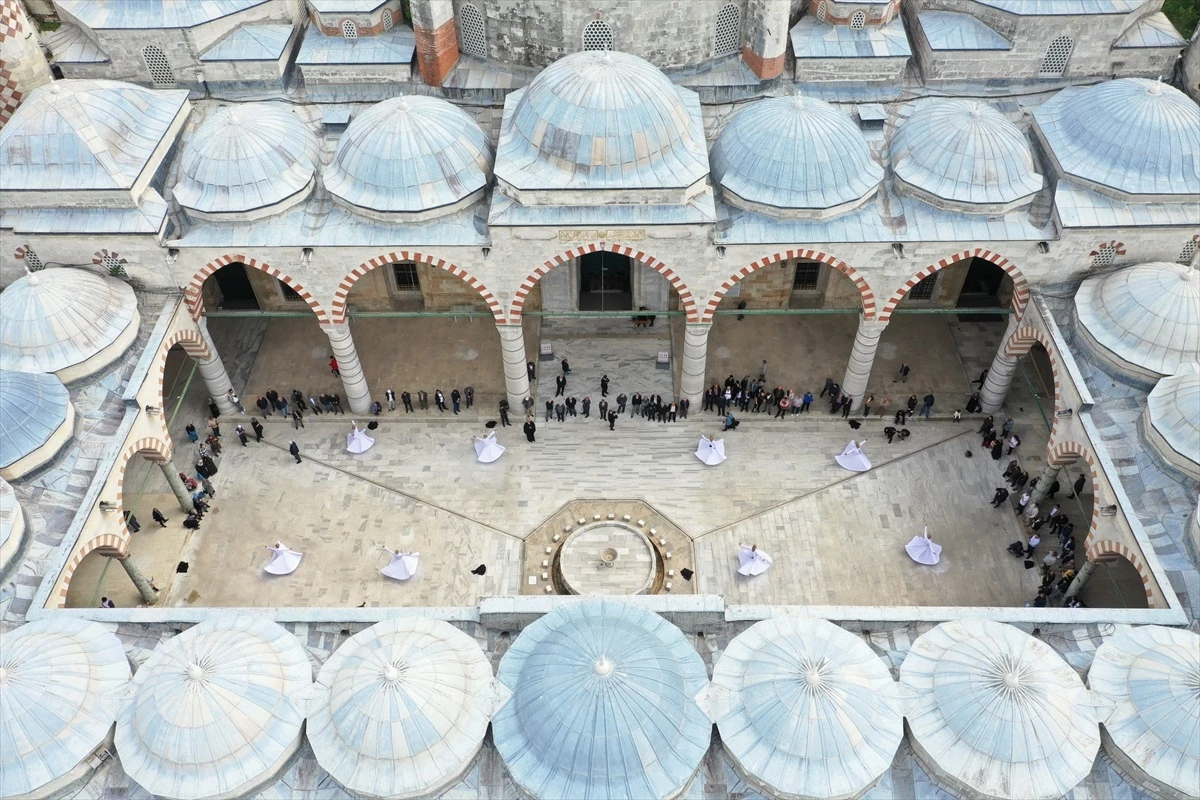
{"x":284,"y":559}
{"x":752,"y":561}
{"x":487,"y":449}
{"x":402,"y":566}
{"x":711,"y":451}
{"x":357,"y":440}
{"x":853,"y":458}
{"x":924,"y":550}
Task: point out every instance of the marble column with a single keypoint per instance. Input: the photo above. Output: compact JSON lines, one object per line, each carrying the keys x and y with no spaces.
{"x":149,"y":596}
{"x":176,"y":483}
{"x":212,"y":372}
{"x":1081,"y":578}
{"x":516,"y":374}
{"x":695,"y":361}
{"x":862,"y":358}
{"x":1045,"y":480}
{"x":1000,"y":374}
{"x":358,"y":396}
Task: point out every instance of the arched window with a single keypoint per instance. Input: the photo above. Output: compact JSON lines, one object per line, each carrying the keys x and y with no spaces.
{"x":822,"y":10}
{"x":1188,"y":251}
{"x":349,"y":29}
{"x":470,"y":30}
{"x":388,"y":22}
{"x":858,"y":21}
{"x":728,"y":37}
{"x":597,"y":36}
{"x":160,"y":69}
{"x":1057,"y":54}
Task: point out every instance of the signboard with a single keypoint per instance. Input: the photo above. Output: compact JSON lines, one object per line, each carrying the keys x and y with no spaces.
{"x":580,"y":235}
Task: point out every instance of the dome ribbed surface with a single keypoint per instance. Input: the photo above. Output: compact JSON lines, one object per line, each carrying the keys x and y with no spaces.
{"x":246,"y":157}
{"x":794,"y":152}
{"x":964,"y":151}
{"x":213,"y":714}
{"x":997,"y":713}
{"x":602,"y":120}
{"x":808,"y":710}
{"x":57,"y":678}
{"x":32,"y":408}
{"x":404,"y":708}
{"x":1134,"y":135}
{"x":1147,"y":316}
{"x":56,"y":318}
{"x":12,"y":524}
{"x":1173,"y":409}
{"x":1152,"y":674}
{"x":410,"y":154}
{"x":603,"y":705}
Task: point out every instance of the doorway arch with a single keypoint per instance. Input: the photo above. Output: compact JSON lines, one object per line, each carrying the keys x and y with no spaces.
{"x":1020,"y":298}
{"x":866,"y":295}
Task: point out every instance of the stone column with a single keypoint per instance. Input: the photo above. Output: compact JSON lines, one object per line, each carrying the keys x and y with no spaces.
{"x":176,"y":484}
{"x":1000,"y":374}
{"x":212,"y":372}
{"x":358,"y":396}
{"x":1042,"y":490}
{"x":516,"y":375}
{"x":1081,"y":579}
{"x":149,"y":596}
{"x":437,"y":39}
{"x":766,"y":36}
{"x":862,"y":358}
{"x":695,"y":361}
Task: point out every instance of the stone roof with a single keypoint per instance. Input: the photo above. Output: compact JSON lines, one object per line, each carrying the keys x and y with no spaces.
{"x":812,"y":38}
{"x":12,"y":529}
{"x":1173,"y":412}
{"x":390,"y":47}
{"x":34,"y":408}
{"x":951,"y":30}
{"x":264,"y":42}
{"x":1042,"y":8}
{"x":1152,"y":30}
{"x":794,"y":153}
{"x":245,"y":158}
{"x":70,"y":45}
{"x":101,"y":14}
{"x":58,"y":676}
{"x":345,"y":6}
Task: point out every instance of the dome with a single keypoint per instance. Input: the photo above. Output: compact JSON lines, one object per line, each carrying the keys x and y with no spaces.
{"x":403,"y":708}
{"x":1132,"y":135}
{"x":247,"y":158}
{"x":66,"y":321}
{"x":58,"y":680}
{"x":1152,"y":675}
{"x":603,"y":705}
{"x":36,"y":420}
{"x":410,"y":154}
{"x":1142,"y":322}
{"x":212,"y":713}
{"x":997,"y":713}
{"x":805,"y":709}
{"x":12,"y":525}
{"x":966,"y":152}
{"x":1171,"y":420}
{"x":602,"y":120}
{"x":794,"y":153}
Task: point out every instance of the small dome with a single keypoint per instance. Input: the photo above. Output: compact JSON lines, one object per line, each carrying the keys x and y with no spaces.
{"x":252,"y":157}
{"x":966,"y":152}
{"x":1143,"y":322}
{"x":36,"y":420}
{"x":1152,"y":675}
{"x":997,"y":713}
{"x":410,"y":154}
{"x":794,"y":153}
{"x":1172,"y":420}
{"x":602,"y":120}
{"x":1133,"y":135}
{"x":603,"y":705}
{"x":66,"y":321}
{"x":56,"y":677}
{"x":213,"y":714}
{"x":12,"y":525}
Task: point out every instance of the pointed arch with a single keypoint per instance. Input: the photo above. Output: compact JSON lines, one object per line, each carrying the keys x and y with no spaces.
{"x":685,"y":294}
{"x":109,"y":543}
{"x":1073,"y":453}
{"x":194,"y":344}
{"x":194,"y":296}
{"x":338,"y":308}
{"x":150,"y":448}
{"x":1108,"y":547}
{"x":1020,"y":285}
{"x":864,"y":289}
{"x":1020,"y":343}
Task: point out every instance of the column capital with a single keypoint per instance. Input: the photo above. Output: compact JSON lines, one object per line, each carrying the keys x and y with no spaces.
{"x":871,"y":324}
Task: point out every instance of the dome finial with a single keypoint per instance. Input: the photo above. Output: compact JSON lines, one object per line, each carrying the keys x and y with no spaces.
{"x":195,"y":672}
{"x":604,"y":666}
{"x":3,"y":674}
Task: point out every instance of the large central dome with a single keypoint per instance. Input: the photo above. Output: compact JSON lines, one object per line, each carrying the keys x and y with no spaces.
{"x":602,"y":120}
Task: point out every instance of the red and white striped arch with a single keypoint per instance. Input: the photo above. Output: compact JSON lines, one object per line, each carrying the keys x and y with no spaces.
{"x":1020,"y":285}
{"x":342,"y":295}
{"x":864,"y":289}
{"x":194,"y":296}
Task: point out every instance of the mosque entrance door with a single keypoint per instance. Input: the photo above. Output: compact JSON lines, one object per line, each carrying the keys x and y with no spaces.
{"x":605,"y":282}
{"x":981,"y":289}
{"x":237,"y":293}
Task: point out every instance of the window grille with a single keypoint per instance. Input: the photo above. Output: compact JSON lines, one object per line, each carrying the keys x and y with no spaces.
{"x":33,"y":262}
{"x":114,"y":266}
{"x":388,"y":23}
{"x":1055,"y":62}
{"x":405,"y":276}
{"x":925,"y":289}
{"x":470,"y":23}
{"x":1105,"y":256}
{"x":808,"y":276}
{"x":1188,"y":251}
{"x":290,"y":294}
{"x":728,"y":38}
{"x":822,"y":11}
{"x":349,"y":29}
{"x":858,"y":21}
{"x":597,"y":36}
{"x":161,"y":73}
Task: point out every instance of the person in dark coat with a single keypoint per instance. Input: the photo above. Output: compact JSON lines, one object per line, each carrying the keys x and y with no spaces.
{"x":159,"y":518}
{"x":294,"y":449}
{"x":612,"y":420}
{"x":997,"y":450}
{"x":504,"y":423}
{"x":213,"y":409}
{"x":258,"y":429}
{"x":530,"y":428}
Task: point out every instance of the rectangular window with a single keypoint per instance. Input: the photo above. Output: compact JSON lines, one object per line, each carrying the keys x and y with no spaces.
{"x":925,"y":289}
{"x":290,"y":294}
{"x":405,"y":276}
{"x":808,"y":276}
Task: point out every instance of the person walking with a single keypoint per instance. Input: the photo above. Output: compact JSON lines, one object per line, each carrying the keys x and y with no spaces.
{"x":1014,"y":442}
{"x":158,"y":517}
{"x":622,"y":399}
{"x":980,"y":380}
{"x":390,"y":396}
{"x":294,"y":449}
{"x":297,"y":419}
{"x":455,"y":400}
{"x":612,"y":420}
{"x":604,"y":386}
{"x":439,"y":400}
{"x":258,"y":429}
{"x":504,"y":423}
{"x":208,"y":488}
{"x":762,"y":371}
{"x":190,"y":430}
{"x":232,"y":397}
{"x":530,"y":428}
{"x":106,"y":603}
{"x":956,"y":416}
{"x":830,"y":388}
{"x":999,"y":497}
{"x":241,"y":434}
{"x":214,"y":444}
{"x":1077,"y":487}
{"x":132,"y":522}
{"x":566,"y":368}
{"x":469,"y":396}
{"x":406,"y":399}
{"x":902,"y":374}
{"x":926,"y":406}
{"x":333,"y":367}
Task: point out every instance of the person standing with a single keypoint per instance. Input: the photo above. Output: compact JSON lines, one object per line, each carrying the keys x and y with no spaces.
{"x":241,"y":434}
{"x":423,"y":399}
{"x":213,"y":409}
{"x":208,"y":488}
{"x":258,"y":429}
{"x":530,"y":428}
{"x":455,"y":399}
{"x":106,"y":603}
{"x":333,"y":367}
{"x":531,"y":371}
{"x":782,"y":407}
{"x":957,"y":416}
{"x":314,"y":404}
{"x":214,"y":425}
{"x":264,"y":407}
{"x":190,"y":430}
{"x":684,"y":405}
{"x":549,"y":410}
{"x":571,"y":402}
{"x":504,"y":423}
{"x":406,"y":399}
{"x":560,"y":385}
{"x":390,"y":396}
{"x":326,"y":403}
{"x":469,"y":395}
{"x":232,"y":397}
{"x":867,"y":405}
{"x":527,"y":404}
{"x":1080,"y":482}
{"x":566,"y":368}
{"x":215,"y":444}
{"x":439,"y":400}
{"x":294,"y":449}
{"x":999,"y":497}
{"x":132,"y":522}
{"x":612,"y":420}
{"x":926,"y":406}
{"x":297,"y":419}
{"x":603,"y":407}
{"x":1007,"y":427}
{"x":604,"y":386}
{"x":587,"y":406}
{"x":159,"y":518}
{"x":762,"y":371}
{"x":1014,"y":442}
{"x":902,"y":375}
{"x":672,"y":412}
{"x":560,"y":411}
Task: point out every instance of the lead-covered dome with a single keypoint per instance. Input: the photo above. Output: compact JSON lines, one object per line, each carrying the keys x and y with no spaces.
{"x":602,"y":120}
{"x":409,"y":155}
{"x":1132,"y":135}
{"x":66,"y":321}
{"x":36,"y":421}
{"x":965,"y":154}
{"x":1171,"y":421}
{"x":253,"y":159}
{"x":1142,"y":322}
{"x":794,"y":154}
{"x":12,"y":524}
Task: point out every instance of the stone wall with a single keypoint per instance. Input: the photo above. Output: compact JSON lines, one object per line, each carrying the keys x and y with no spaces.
{"x":22,"y":67}
{"x":850,"y":69}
